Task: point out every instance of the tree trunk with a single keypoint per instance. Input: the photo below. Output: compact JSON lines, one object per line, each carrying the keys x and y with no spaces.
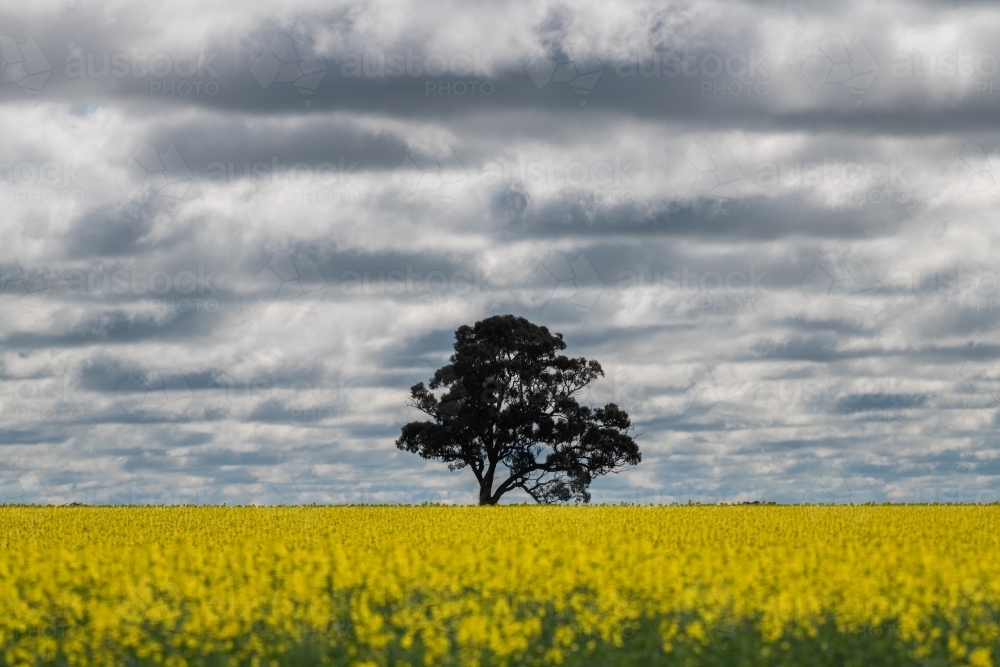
{"x":485,"y":495}
{"x":486,"y":489}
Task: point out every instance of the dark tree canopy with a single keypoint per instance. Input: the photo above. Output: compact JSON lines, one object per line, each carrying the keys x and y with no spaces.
{"x":506,"y":407}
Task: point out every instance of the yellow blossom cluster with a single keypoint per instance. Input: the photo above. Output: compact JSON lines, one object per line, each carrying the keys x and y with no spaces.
{"x":482,"y":585}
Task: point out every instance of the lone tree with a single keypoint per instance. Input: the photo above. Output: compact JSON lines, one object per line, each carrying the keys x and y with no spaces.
{"x":508,"y":410}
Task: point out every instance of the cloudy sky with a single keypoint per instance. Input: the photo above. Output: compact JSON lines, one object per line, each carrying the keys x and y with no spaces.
{"x":232,"y":235}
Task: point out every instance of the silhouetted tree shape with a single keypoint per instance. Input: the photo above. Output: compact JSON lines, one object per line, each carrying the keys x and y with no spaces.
{"x":508,"y":407}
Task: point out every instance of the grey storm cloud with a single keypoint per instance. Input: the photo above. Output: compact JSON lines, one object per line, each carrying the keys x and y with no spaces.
{"x":233,"y":236}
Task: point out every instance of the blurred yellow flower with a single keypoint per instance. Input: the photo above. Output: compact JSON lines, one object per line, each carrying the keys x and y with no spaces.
{"x":481,"y":585}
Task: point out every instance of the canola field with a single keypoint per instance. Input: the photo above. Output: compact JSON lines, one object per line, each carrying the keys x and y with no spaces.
{"x":515,"y":585}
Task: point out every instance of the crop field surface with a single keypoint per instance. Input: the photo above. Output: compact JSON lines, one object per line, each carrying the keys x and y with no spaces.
{"x":505,"y":585}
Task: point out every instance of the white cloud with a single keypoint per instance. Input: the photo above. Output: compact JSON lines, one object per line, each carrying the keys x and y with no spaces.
{"x":222,"y":297}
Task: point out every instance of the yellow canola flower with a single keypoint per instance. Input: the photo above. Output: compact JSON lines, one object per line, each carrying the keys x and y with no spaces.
{"x":483,"y":585}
